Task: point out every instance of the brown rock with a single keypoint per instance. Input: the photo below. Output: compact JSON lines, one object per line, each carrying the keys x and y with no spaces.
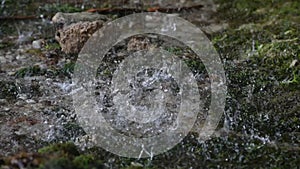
{"x":138,"y":43}
{"x":74,"y":29}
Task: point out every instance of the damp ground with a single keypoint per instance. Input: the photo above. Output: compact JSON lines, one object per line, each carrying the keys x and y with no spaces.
{"x":258,"y":43}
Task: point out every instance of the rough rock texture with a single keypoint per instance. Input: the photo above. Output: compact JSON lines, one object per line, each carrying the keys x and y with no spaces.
{"x":74,"y":29}
{"x":138,"y":43}
{"x":69,"y":18}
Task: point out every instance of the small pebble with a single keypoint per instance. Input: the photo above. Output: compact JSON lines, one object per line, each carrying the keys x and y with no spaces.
{"x":37,"y":44}
{"x":30,"y":101}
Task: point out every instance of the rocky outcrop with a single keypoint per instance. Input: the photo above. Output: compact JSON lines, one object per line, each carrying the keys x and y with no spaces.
{"x":74,"y":29}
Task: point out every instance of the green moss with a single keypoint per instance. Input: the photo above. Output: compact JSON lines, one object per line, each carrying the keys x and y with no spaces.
{"x":195,"y":66}
{"x":294,"y":81}
{"x":61,"y":148}
{"x":34,"y":51}
{"x":244,"y":11}
{"x":30,"y":71}
{"x":87,"y":162}
{"x":66,"y":156}
{"x":56,"y":7}
{"x":266,"y":46}
{"x":83,"y":160}
{"x":189,"y":58}
{"x":52,"y":46}
{"x":79,"y":162}
{"x":175,"y":50}
{"x":67,"y":70}
{"x":57,"y":163}
{"x":259,"y":49}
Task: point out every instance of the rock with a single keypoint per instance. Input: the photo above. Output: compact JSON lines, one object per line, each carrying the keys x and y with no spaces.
{"x":74,"y":29}
{"x":138,"y":43}
{"x":69,"y":18}
{"x":73,"y":37}
{"x":37,"y":44}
